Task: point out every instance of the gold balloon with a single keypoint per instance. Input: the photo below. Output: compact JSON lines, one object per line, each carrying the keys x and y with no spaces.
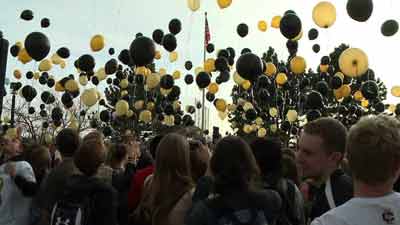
{"x":158,"y":55}
{"x":17,"y":74}
{"x":392,"y":108}
{"x":139,"y":105}
{"x":124,"y":83}
{"x":213,"y":88}
{"x":209,"y":65}
{"x":247,"y":106}
{"x":101,"y":74}
{"x":231,"y":107}
{"x":176,"y":75}
{"x":89,"y":97}
{"x":261,"y":132}
{"x":97,"y":43}
{"x":247,"y":129}
{"x":395,"y":91}
{"x":276,"y":22}
{"x":273,"y":128}
{"x":19,"y":44}
{"x":238,"y":79}
{"x":353,"y":62}
{"x":24,"y":57}
{"x":298,"y":65}
{"x":83,"y":80}
{"x":281,"y":79}
{"x":340,"y":74}
{"x":56,"y":59}
{"x":121,"y":108}
{"x":71,"y":85}
{"x":130,"y":113}
{"x":262,"y":25}
{"x":270,"y":69}
{"x":58,"y":87}
{"x":193,"y":5}
{"x":36,"y":75}
{"x":273,"y":112}
{"x":150,"y":105}
{"x":323,"y":68}
{"x":198,"y":69}
{"x":176,"y":105}
{"x":364,"y":103}
{"x":153,"y":80}
{"x":220,"y":105}
{"x":141,"y":70}
{"x":343,"y":91}
{"x":358,"y":96}
{"x":162,"y":71}
{"x":259,"y":121}
{"x":145,"y":116}
{"x":124,"y":92}
{"x":173,"y":56}
{"x":246,"y":85}
{"x":224,"y":3}
{"x":165,"y":92}
{"x":63,"y":64}
{"x":169,"y":120}
{"x":324,"y":14}
{"x":291,"y":115}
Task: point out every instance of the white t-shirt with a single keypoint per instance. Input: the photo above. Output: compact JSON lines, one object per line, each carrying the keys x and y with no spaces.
{"x":14,"y":207}
{"x":364,"y":211}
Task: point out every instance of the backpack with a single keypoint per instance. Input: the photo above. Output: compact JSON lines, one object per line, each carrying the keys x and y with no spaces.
{"x":71,"y":211}
{"x":224,"y":215}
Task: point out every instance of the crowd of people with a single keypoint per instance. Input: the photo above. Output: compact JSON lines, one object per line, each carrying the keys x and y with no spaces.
{"x":334,"y":176}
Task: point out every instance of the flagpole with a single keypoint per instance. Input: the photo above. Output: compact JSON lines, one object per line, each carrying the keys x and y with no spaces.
{"x":203,"y":122}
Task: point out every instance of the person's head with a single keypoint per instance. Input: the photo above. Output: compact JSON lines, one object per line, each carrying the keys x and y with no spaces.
{"x":289,"y":152}
{"x":89,"y":157}
{"x":321,"y":147}
{"x":289,"y":169}
{"x":118,"y":155}
{"x":95,"y":136}
{"x":199,"y":158}
{"x":268,"y":154}
{"x":39,"y":158}
{"x":233,"y":165}
{"x":373,"y":150}
{"x":131,"y":140}
{"x":67,"y":142}
{"x":153,"y":144}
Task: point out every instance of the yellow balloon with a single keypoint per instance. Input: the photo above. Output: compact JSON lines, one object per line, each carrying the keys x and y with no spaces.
{"x":262,"y":25}
{"x":71,"y":85}
{"x":36,"y":75}
{"x":193,"y":5}
{"x":224,"y":3}
{"x":152,"y":80}
{"x":58,"y":87}
{"x":124,"y":92}
{"x":17,"y":74}
{"x":395,"y":91}
{"x":24,"y":57}
{"x":130,"y":113}
{"x":323,"y":68}
{"x":83,"y":80}
{"x":220,"y":105}
{"x":176,"y":105}
{"x":247,"y":106}
{"x":165,"y":92}
{"x":232,"y":107}
{"x":392,"y":108}
{"x":19,"y":44}
{"x":298,"y":65}
{"x":162,"y":71}
{"x":273,"y":112}
{"x":158,"y":55}
{"x":97,"y":43}
{"x":238,"y":79}
{"x":246,"y":85}
{"x":353,"y":62}
{"x":281,"y":78}
{"x":213,"y":88}
{"x":173,"y":56}
{"x":56,"y":59}
{"x":169,"y":120}
{"x":291,"y":115}
{"x":273,"y":128}
{"x":247,"y":129}
{"x":364,"y":103}
{"x":89,"y":97}
{"x":63,"y":64}
{"x":141,"y":70}
{"x":261,"y":132}
{"x":145,"y":116}
{"x":121,"y":108}
{"x":340,"y":74}
{"x":198,"y":69}
{"x":101,"y":74}
{"x":124,"y":83}
{"x":139,"y":104}
{"x":324,"y":14}
{"x":358,"y":96}
{"x":150,"y":105}
{"x":276,"y":22}
{"x":259,"y":121}
{"x":176,"y":75}
{"x":270,"y":69}
{"x":209,"y":65}
{"x":343,"y":91}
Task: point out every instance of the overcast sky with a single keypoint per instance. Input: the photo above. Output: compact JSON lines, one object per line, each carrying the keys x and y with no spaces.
{"x":74,"y":22}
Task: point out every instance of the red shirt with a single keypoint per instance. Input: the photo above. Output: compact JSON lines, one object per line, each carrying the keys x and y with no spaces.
{"x":137,"y":182}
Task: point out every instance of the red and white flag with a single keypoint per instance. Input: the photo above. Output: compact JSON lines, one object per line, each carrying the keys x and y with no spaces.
{"x":207,"y":35}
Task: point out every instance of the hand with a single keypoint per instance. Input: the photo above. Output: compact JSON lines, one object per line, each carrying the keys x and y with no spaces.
{"x":11,"y":170}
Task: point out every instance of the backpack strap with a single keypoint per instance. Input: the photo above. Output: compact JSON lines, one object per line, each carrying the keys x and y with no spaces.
{"x":329,"y":194}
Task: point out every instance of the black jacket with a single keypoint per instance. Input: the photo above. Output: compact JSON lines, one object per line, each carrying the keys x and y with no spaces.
{"x":104,"y":197}
{"x":342,"y":191}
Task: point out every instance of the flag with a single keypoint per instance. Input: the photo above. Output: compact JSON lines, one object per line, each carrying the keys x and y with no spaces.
{"x":207,"y":35}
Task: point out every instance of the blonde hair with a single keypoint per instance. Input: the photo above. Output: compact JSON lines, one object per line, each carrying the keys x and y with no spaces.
{"x":373,"y":148}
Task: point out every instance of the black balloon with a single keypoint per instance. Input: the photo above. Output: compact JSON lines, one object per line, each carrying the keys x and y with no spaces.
{"x":314,"y":100}
{"x":292,"y":45}
{"x":28,"y":92}
{"x":389,"y":28}
{"x":29,"y":75}
{"x":169,"y":109}
{"x":325,"y":60}
{"x":316,"y":48}
{"x":313,"y":115}
{"x":336,"y":82}
{"x":175,"y":26}
{"x":45,"y":22}
{"x":245,"y":50}
{"x":51,"y":82}
{"x":158,"y":36}
{"x":42,"y":80}
{"x":231,"y":52}
{"x":111,"y":51}
{"x":105,"y":116}
{"x":290,"y":26}
{"x":63,"y":52}
{"x":379,"y":107}
{"x":203,"y":80}
{"x":322,"y":87}
{"x":312,"y":34}
{"x":249,"y":66}
{"x":56,"y":114}
{"x":169,"y":42}
{"x":210,"y":97}
{"x":167,"y":81}
{"x":225,"y":75}
{"x":31,"y":110}
{"x":210,"y":48}
{"x":188,"y":65}
{"x":221,"y":64}
{"x":27,"y":15}
{"x":251,"y":114}
{"x":95,"y":80}
{"x":360,"y":10}
{"x":111,"y":66}
{"x":188,"y":79}
{"x":14,"y":50}
{"x":37,"y":45}
{"x":125,"y":57}
{"x":218,"y":80}
{"x":86,"y":63}
{"x":66,"y":98}
{"x":142,"y":51}
{"x":242,"y":30}
{"x":370,"y":90}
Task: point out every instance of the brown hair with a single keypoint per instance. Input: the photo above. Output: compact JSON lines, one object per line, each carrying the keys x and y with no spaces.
{"x":373,"y":148}
{"x":331,"y":131}
{"x":172,"y":178}
{"x":39,"y":158}
{"x":90,"y":155}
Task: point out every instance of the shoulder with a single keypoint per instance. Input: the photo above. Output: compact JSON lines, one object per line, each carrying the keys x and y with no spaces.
{"x":268,"y":198}
{"x":332,"y":217}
